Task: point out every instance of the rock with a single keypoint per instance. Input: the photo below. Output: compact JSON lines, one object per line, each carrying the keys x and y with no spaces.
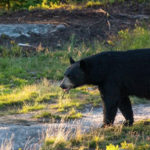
{"x":17,"y":30}
{"x":60,"y":27}
{"x":24,"y":45}
{"x":27,"y":48}
{"x":34,"y":34}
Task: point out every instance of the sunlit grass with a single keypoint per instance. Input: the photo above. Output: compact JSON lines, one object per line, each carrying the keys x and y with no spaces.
{"x":10,"y":6}
{"x":77,"y":4}
{"x":47,"y":96}
{"x":29,"y":97}
{"x":47,"y":115}
{"x":49,"y":5}
{"x":111,"y":138}
{"x":93,"y":3}
{"x":73,"y":114}
{"x":71,"y":5}
{"x":17,"y":97}
{"x":77,"y":98}
{"x":28,"y":107}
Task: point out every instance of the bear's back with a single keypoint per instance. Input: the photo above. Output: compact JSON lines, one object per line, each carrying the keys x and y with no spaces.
{"x":134,"y":55}
{"x":132,"y":70}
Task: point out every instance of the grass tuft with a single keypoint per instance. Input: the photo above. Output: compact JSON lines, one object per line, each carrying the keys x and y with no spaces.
{"x":111,"y":138}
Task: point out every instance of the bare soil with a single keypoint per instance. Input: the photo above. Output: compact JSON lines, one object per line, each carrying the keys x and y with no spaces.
{"x":85,"y":24}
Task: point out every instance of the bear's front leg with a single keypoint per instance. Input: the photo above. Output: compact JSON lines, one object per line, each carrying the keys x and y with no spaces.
{"x":110,"y":98}
{"x":109,"y":110}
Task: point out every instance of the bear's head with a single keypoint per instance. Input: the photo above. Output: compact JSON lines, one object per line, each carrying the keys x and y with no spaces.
{"x":75,"y":75}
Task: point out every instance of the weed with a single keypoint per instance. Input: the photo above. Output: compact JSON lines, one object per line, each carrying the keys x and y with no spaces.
{"x":27,"y":107}
{"x":73,"y":114}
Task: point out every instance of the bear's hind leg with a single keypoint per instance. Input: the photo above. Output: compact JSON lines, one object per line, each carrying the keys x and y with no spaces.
{"x":126,"y":109}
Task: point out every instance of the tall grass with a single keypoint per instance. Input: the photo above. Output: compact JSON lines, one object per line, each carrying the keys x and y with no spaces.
{"x":138,"y":38}
{"x":49,"y":98}
{"x":112,"y":138}
{"x":7,"y":144}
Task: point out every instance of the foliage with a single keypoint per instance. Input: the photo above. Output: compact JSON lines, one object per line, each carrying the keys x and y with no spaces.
{"x":93,"y":3}
{"x":46,"y":4}
{"x":137,"y":38}
{"x":140,"y":38}
{"x":112,"y":147}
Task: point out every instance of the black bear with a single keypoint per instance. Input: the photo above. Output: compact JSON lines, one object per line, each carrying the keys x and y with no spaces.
{"x":118,"y":75}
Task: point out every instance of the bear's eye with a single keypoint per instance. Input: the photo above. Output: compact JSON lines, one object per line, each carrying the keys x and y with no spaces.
{"x":69,"y":76}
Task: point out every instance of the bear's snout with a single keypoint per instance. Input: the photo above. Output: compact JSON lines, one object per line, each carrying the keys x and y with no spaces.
{"x":62,"y":86}
{"x":66,"y":84}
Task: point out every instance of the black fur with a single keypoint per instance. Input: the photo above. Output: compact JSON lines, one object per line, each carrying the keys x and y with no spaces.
{"x":118,"y":76}
{"x":71,"y":60}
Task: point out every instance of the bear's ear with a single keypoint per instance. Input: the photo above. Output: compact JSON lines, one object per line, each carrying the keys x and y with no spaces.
{"x":71,"y":60}
{"x":83,"y":65}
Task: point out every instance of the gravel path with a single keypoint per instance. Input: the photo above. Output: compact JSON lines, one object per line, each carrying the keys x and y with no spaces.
{"x":29,"y":136}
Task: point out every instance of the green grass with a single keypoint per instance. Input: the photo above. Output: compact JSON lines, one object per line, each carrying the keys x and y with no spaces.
{"x":32,"y":83}
{"x":139,"y":38}
{"x":136,"y":137}
{"x":47,"y":115}
{"x":49,"y":97}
